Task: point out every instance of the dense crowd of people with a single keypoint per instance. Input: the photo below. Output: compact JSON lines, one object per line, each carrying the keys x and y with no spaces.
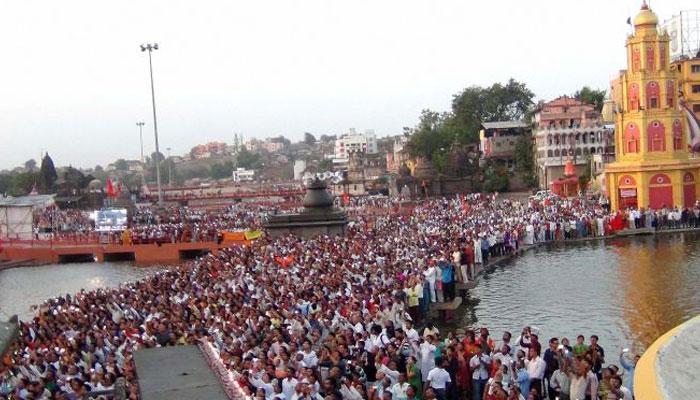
{"x":331,"y":317}
{"x":148,"y":225}
{"x":52,"y":218}
{"x":184,"y":224}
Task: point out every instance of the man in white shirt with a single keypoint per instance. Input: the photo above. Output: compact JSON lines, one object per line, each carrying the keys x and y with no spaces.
{"x":411,"y":333}
{"x":438,"y":379}
{"x":430,"y":275}
{"x":289,"y":385}
{"x":536,"y":368}
{"x":479,"y":364}
{"x":399,"y":389}
{"x":310,"y":358}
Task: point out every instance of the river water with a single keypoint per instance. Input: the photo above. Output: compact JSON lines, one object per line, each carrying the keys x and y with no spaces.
{"x":20,"y":288}
{"x":628,"y":291}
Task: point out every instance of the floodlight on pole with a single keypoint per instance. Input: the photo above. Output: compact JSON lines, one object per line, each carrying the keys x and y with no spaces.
{"x":150,"y":47}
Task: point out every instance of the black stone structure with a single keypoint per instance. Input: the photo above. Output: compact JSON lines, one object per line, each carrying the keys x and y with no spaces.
{"x":318,"y":218}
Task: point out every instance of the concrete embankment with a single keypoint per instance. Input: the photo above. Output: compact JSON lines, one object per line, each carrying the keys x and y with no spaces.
{"x":669,"y":367}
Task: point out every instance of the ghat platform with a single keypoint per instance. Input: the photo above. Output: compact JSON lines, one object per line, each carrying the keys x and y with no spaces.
{"x":44,"y":251}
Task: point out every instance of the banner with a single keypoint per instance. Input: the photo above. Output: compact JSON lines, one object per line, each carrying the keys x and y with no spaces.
{"x":628,"y":192}
{"x":252,"y":235}
{"x":233,"y":236}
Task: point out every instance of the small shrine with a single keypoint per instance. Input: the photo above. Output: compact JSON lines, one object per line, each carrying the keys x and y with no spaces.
{"x":567,"y":185}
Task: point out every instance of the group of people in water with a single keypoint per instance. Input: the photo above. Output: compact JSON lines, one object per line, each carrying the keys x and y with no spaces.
{"x":331,"y":317}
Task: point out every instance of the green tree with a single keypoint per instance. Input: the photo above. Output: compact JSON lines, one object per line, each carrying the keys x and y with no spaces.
{"x":5,"y":183}
{"x":48,"y":176}
{"x":591,"y":96}
{"x":496,"y":179}
{"x":525,"y":160}
{"x":246,"y":159}
{"x":222,"y":170}
{"x":325,"y":165}
{"x":309,"y":138}
{"x":193,"y":172}
{"x":75,"y":177}
{"x":431,"y":137}
{"x":121,"y":165}
{"x":99,"y":173}
{"x":30,"y":165}
{"x":497,"y":102}
{"x":157,"y":156}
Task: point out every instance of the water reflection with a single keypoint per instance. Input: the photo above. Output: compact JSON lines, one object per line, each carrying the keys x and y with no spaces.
{"x":628,"y":291}
{"x":658,"y":284}
{"x":20,"y":288}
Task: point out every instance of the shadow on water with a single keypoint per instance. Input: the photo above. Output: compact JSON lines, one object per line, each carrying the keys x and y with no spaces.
{"x":629,"y":291}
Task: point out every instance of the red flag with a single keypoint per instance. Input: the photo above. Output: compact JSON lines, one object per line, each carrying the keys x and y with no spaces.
{"x":110,"y":188}
{"x":346,"y":198}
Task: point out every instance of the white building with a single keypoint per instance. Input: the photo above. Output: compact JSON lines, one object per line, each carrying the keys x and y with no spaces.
{"x":568,"y":129}
{"x":243,"y":175}
{"x":355,"y":142}
{"x":299,"y":168}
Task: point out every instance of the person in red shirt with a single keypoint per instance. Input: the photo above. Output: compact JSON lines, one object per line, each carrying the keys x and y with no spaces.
{"x":469,"y":253}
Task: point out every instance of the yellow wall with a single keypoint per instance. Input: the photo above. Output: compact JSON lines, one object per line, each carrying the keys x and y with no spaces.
{"x":643,"y":178}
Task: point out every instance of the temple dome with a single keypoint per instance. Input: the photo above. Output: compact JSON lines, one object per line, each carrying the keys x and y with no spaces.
{"x":317,"y":196}
{"x":646,"y":17}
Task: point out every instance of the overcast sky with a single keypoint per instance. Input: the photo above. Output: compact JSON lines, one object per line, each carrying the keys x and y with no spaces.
{"x":73,"y":80}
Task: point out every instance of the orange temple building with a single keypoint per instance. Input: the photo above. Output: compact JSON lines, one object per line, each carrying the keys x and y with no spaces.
{"x":653,"y":167}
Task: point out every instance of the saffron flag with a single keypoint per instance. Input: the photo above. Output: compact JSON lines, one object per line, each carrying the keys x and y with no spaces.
{"x":110,"y":188}
{"x":693,"y":127}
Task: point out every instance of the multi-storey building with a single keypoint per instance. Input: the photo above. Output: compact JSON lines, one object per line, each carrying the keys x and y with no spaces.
{"x":497,"y":141}
{"x":354,"y":142}
{"x":207,"y":150}
{"x":653,"y":166}
{"x":689,"y":81}
{"x":567,"y":129}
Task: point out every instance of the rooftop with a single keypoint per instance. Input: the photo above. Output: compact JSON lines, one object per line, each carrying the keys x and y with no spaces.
{"x":504,"y":124}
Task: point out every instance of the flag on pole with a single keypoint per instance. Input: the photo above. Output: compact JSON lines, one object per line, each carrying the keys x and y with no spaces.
{"x":693,"y":127}
{"x":110,"y":188}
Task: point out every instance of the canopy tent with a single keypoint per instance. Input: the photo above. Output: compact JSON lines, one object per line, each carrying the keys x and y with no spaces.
{"x":17,"y":217}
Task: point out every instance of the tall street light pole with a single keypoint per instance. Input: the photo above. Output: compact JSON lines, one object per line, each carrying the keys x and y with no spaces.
{"x":140,"y":124}
{"x":151,"y":47}
{"x":170,"y":169}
